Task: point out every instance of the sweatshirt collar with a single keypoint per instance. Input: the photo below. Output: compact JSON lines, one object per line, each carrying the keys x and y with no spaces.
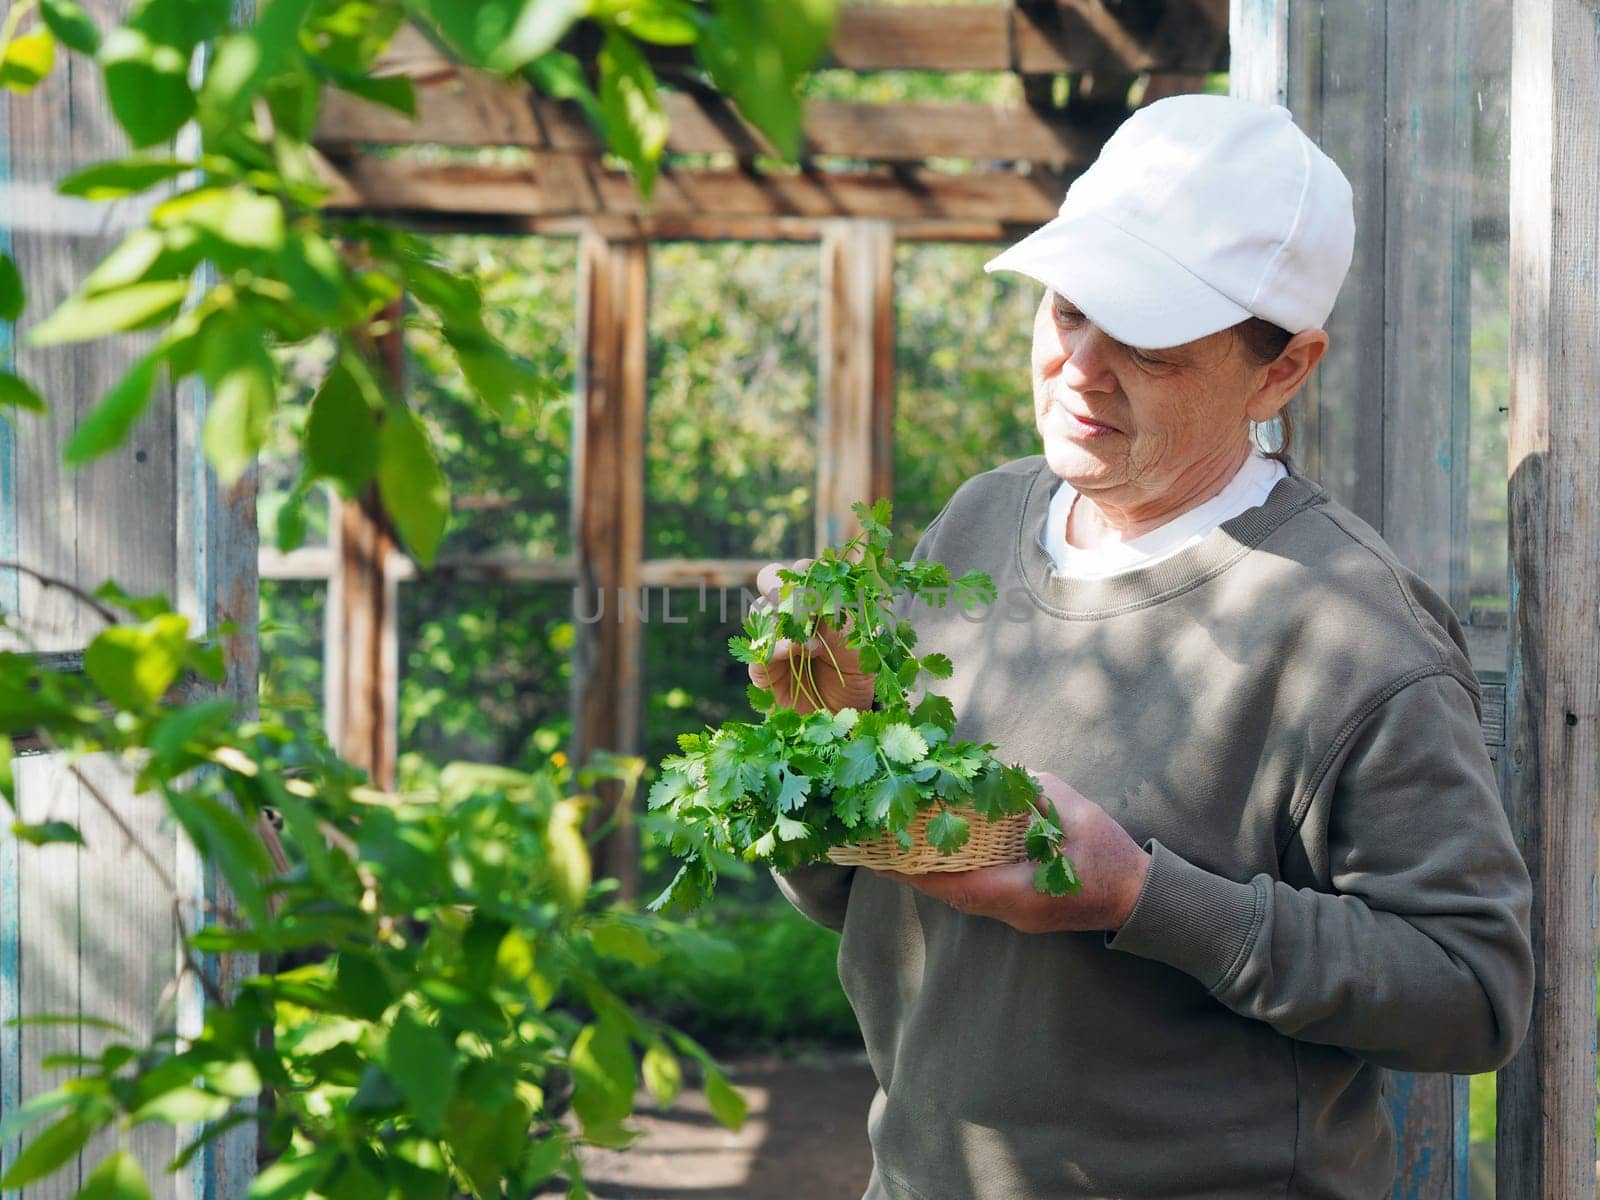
{"x":1081,"y":599}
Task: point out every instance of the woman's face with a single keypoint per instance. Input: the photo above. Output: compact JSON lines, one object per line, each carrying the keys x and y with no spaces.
{"x":1126,"y":425}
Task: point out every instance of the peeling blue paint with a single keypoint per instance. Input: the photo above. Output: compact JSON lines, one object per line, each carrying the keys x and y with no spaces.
{"x":1445,"y":457}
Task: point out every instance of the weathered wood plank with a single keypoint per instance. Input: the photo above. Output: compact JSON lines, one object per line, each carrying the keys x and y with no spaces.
{"x":536,"y":189}
{"x":855,"y":384}
{"x":474,"y":110}
{"x":1427,"y":231}
{"x":362,"y":684}
{"x":608,"y":525}
{"x":112,"y":519}
{"x":1546,"y":1134}
{"x":1430,"y":1118}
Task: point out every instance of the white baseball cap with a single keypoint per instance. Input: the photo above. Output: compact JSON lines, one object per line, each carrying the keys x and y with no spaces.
{"x":1200,"y":212}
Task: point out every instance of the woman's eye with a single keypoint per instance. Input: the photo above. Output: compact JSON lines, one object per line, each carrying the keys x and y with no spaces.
{"x":1145,"y":359}
{"x":1066,"y":316}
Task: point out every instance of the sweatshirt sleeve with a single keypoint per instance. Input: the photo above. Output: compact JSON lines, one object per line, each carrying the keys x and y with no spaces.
{"x":821,"y":892}
{"x":1419,"y":958}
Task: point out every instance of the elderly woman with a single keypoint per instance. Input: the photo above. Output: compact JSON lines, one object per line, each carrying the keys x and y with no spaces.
{"x":1259,"y":729}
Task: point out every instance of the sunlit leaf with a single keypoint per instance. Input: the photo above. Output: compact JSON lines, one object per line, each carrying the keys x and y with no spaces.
{"x":134,"y":665}
{"x":83,"y":317}
{"x":27,"y":60}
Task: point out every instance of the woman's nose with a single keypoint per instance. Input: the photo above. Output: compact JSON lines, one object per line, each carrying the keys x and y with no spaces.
{"x":1086,"y":362}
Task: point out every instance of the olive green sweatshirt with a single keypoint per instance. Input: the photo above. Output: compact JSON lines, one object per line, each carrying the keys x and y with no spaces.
{"x":1285,"y":717}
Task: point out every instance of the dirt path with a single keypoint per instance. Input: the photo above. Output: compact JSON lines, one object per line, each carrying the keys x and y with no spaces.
{"x":805,"y":1138}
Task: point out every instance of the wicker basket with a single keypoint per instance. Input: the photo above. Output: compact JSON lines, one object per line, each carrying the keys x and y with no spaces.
{"x":989,"y":844}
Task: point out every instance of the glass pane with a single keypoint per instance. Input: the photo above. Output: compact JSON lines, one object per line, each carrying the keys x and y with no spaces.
{"x":730,"y":432}
{"x":484,"y":673}
{"x":963,"y":401}
{"x":291,"y":653}
{"x":508,"y":476}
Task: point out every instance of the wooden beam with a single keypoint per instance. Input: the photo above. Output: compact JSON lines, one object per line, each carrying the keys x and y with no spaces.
{"x":855,"y":386}
{"x":1546,"y":1134}
{"x":1076,"y":35}
{"x":468,"y":109}
{"x":608,"y":529}
{"x":556,"y":185}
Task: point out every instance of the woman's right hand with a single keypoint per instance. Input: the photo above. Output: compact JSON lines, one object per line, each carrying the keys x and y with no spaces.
{"x":823,"y":668}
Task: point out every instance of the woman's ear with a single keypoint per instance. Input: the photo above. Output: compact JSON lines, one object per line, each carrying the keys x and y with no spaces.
{"x":1286,"y":374}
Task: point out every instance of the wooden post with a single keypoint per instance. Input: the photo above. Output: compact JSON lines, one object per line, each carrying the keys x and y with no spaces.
{"x":362,"y":659}
{"x":608,"y":530}
{"x":855,"y":377}
{"x":1546,"y":1137}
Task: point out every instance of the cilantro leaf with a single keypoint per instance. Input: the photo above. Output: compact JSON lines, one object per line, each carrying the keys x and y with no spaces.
{"x":947,"y":832}
{"x":858,"y":763}
{"x":902,"y":743}
{"x":792,"y":795}
{"x":937,"y":665}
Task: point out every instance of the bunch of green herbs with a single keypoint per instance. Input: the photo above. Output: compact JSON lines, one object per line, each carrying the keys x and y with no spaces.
{"x":783,"y":792}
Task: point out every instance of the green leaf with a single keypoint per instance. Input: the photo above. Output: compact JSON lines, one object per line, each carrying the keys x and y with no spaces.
{"x":341,"y":439}
{"x":391,"y":91}
{"x":28,"y":60}
{"x":123,"y":177}
{"x":292,"y":1177}
{"x":71,"y":25}
{"x":220,"y":832}
{"x":635,"y":122}
{"x":1056,"y":877}
{"x":241,"y":62}
{"x":663,"y":1074}
{"x":235,"y":215}
{"x":147,"y":82}
{"x":47,"y":833}
{"x":34,"y":1110}
{"x":937,"y":665}
{"x":83,"y":317}
{"x":760,"y":698}
{"x":726,"y":1104}
{"x":8,"y":784}
{"x":50,"y":1150}
{"x":903,"y":744}
{"x":421,"y":1061}
{"x":134,"y":665}
{"x":504,"y":35}
{"x":568,"y":853}
{"x":16,"y":393}
{"x":603,"y":1074}
{"x":858,"y":763}
{"x":182,"y":1105}
{"x":108,"y":426}
{"x":12,"y":294}
{"x":796,"y":788}
{"x":947,"y":832}
{"x":244,"y":383}
{"x":626,"y":942}
{"x":411,"y":484}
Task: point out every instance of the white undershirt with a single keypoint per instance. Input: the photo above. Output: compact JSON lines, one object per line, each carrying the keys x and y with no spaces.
{"x":1247,"y":489}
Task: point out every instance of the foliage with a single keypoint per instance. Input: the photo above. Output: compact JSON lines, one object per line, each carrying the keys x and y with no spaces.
{"x":763,"y":975}
{"x":244,"y":227}
{"x":784,"y":791}
{"x":455,"y":1034}
{"x":455,"y":1012}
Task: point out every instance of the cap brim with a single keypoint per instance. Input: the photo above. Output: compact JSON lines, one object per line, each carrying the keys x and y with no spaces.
{"x":1135,"y":292}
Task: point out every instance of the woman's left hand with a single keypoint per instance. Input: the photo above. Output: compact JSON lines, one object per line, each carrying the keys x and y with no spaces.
{"x":1111,"y":865}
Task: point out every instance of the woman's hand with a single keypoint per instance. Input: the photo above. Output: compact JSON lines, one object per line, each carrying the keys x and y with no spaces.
{"x":822,"y":673}
{"x":1111,"y":865}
